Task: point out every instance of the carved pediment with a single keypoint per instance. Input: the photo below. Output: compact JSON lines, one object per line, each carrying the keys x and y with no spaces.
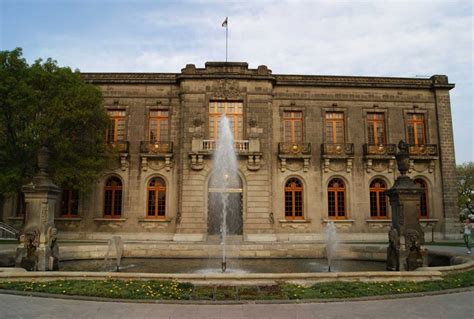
{"x":226,"y":89}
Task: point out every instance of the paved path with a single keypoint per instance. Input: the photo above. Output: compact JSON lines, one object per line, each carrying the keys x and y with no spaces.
{"x":452,"y":306}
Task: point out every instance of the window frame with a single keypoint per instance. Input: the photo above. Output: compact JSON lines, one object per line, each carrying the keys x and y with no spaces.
{"x":336,"y":191}
{"x":410,"y":120}
{"x":114,"y":191}
{"x":334,"y":122}
{"x":292,"y":189}
{"x":116,"y":117}
{"x":159,"y":119}
{"x":423,"y":203}
{"x":20,"y":211}
{"x":72,"y":196}
{"x":293,"y":120}
{"x":161,"y":188}
{"x":215,"y":115}
{"x":372,"y":123}
{"x":378,"y":191}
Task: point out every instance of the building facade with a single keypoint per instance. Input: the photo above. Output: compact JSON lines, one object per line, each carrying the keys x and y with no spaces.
{"x":311,"y":149}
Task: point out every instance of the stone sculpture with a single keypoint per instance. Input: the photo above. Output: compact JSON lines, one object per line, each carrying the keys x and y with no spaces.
{"x":38,"y":249}
{"x":405,"y":235}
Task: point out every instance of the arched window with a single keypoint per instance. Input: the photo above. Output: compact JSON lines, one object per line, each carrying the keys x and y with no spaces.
{"x":336,"y":199}
{"x":294,"y":199}
{"x":69,"y":203}
{"x":156,"y":198}
{"x":113,"y":197}
{"x":378,"y":199}
{"x":423,"y":209}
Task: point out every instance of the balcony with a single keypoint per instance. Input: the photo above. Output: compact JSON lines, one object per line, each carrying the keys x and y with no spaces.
{"x":337,"y":157}
{"x":424,"y":151}
{"x":379,"y":157}
{"x":294,"y":152}
{"x":118,"y":146}
{"x":156,"y":155}
{"x":156,"y":148}
{"x":121,"y":147}
{"x":340,"y":150}
{"x":201,"y":148}
{"x":382,"y":151}
{"x":240,"y":146}
{"x":422,"y":157}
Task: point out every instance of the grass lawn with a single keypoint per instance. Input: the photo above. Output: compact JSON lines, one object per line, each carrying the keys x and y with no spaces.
{"x":172,"y":290}
{"x":8,"y":241}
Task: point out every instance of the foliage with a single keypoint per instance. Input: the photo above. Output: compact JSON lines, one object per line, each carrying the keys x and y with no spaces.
{"x":465,"y":173}
{"x":44,"y":104}
{"x":173,"y":290}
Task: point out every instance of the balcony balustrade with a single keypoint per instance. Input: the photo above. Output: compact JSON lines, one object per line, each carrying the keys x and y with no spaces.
{"x":294,"y":152}
{"x":334,"y":156}
{"x":379,"y":157}
{"x":119,"y":146}
{"x":156,"y":150}
{"x":423,"y":150}
{"x":294,"y":149}
{"x":240,"y":146}
{"x":380,"y":150}
{"x":201,"y":148}
{"x":156,"y":147}
{"x":339,"y":150}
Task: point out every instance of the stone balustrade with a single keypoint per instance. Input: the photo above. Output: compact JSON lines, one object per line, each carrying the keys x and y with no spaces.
{"x":338,"y":150}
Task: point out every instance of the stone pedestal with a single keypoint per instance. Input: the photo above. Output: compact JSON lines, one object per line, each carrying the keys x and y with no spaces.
{"x":406,"y":236}
{"x":38,"y":249}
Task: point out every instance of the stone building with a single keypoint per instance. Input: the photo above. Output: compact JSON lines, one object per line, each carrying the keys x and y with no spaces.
{"x":311,"y":149}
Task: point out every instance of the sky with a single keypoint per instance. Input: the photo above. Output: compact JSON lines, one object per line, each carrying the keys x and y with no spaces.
{"x":401,"y":38}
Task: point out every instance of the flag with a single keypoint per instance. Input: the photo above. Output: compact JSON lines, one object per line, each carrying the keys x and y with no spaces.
{"x":224,"y":24}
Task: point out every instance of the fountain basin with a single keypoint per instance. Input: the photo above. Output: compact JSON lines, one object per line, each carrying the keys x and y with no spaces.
{"x":209,"y":266}
{"x":444,"y":263}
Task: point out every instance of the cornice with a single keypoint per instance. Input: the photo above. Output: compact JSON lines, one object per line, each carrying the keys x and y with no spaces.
{"x":240,"y":71}
{"x":129,"y":78}
{"x":363,"y":81}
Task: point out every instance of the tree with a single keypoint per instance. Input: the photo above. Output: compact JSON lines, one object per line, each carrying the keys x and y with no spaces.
{"x":44,"y":104}
{"x":465,"y":174}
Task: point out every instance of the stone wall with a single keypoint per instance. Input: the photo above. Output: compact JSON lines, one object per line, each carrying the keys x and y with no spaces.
{"x":265,"y":97}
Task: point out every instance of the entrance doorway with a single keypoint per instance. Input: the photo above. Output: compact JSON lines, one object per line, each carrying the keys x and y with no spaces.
{"x":233,"y":197}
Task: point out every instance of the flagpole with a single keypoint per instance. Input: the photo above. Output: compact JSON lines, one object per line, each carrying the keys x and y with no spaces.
{"x":226,"y":35}
{"x":225,"y":24}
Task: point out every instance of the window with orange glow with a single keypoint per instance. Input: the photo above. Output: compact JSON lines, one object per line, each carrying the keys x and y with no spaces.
{"x":113,"y":197}
{"x":156,"y":198}
{"x":334,"y":128}
{"x":294,"y":199}
{"x":233,"y":110}
{"x":378,"y":199}
{"x":416,"y":129}
{"x":116,"y":130}
{"x":376,"y":128}
{"x":336,"y":199}
{"x":293,"y":127}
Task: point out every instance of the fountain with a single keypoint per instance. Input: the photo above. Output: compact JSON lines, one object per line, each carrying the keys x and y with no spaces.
{"x":225,"y":171}
{"x":331,"y":243}
{"x":115,"y":241}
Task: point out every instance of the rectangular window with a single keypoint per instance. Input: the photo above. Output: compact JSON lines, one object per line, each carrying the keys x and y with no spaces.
{"x":416,"y":129}
{"x":20,"y":205}
{"x":233,"y":110}
{"x":116,"y":131}
{"x":376,"y":128}
{"x":334,"y":128}
{"x":293,"y":127}
{"x":69,"y":203}
{"x":158,"y":126}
